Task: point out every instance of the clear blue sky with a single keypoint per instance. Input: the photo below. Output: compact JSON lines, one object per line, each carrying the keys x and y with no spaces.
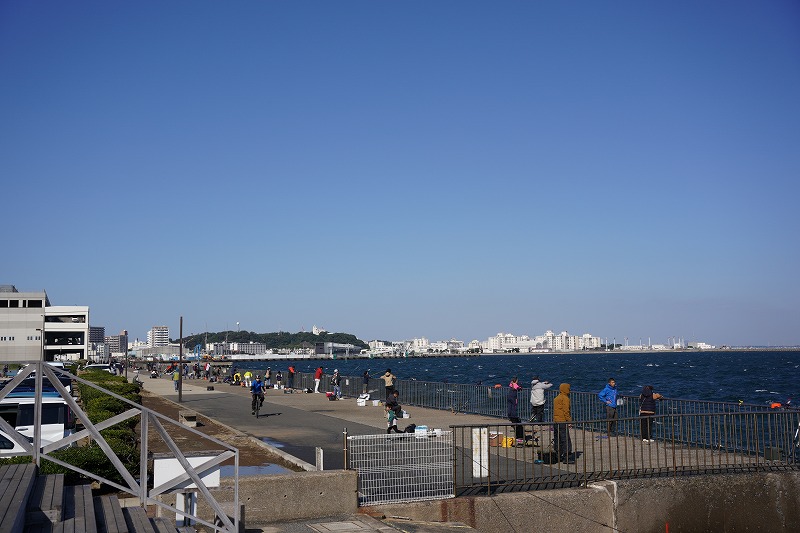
{"x":401,"y":169}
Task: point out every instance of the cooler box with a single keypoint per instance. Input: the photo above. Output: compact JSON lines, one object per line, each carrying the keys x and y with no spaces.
{"x":421,"y":432}
{"x":331,"y":396}
{"x":376,"y":403}
{"x":361,"y":402}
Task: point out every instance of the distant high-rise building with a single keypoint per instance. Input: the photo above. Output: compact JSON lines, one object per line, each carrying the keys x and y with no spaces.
{"x":158,"y":336}
{"x":117,"y":343}
{"x":97,"y":334}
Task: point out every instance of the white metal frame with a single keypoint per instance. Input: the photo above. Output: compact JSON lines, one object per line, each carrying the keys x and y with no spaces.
{"x":148,"y":417}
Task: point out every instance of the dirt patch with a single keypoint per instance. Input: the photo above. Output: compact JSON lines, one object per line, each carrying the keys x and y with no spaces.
{"x":251,"y":453}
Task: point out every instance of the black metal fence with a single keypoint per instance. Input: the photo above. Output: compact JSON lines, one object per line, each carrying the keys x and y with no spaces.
{"x":491,"y":400}
{"x":491,"y":458}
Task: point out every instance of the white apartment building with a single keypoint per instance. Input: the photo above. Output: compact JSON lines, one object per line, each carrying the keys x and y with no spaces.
{"x":562,"y":342}
{"x":377,"y":345}
{"x":158,"y":336}
{"x":420,"y":345}
{"x":252,"y":348}
{"x":25,"y":315}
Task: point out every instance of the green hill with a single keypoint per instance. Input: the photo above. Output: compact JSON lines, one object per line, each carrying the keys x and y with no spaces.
{"x":280,"y":339}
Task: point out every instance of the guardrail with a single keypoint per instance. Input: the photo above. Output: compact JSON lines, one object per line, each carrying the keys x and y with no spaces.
{"x":491,"y":400}
{"x":135,"y":484}
{"x":489,"y":459}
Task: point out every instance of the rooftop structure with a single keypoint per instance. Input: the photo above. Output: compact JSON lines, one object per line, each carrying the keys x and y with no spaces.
{"x":25,"y":315}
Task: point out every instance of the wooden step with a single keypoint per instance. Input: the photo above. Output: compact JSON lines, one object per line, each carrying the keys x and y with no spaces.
{"x":46,"y":501}
{"x":16,"y":485}
{"x":74,"y":525}
{"x":137,"y":520}
{"x":79,"y":507}
{"x":162,"y":525}
{"x":108,"y":513}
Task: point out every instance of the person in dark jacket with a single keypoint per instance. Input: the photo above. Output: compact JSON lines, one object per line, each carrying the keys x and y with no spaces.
{"x":393,"y":411}
{"x":647,"y":408}
{"x":513,"y":410}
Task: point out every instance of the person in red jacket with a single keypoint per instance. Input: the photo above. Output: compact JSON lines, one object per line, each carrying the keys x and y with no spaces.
{"x":317,"y":377}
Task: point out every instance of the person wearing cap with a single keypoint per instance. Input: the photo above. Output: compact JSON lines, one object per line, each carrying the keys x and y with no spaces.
{"x":512,"y":400}
{"x":257,"y":392}
{"x":647,"y":408}
{"x":393,"y":412}
{"x":336,"y":381}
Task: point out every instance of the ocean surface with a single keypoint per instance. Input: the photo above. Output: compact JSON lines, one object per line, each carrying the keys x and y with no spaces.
{"x":755,"y":377}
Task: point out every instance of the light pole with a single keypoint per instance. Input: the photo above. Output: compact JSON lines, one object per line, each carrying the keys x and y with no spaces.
{"x":180,"y":365}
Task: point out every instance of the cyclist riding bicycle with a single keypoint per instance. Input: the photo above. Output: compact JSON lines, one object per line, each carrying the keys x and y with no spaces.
{"x":257,"y":392}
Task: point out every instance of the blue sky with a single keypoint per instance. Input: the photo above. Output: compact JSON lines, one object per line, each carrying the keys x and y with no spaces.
{"x":405,"y":169}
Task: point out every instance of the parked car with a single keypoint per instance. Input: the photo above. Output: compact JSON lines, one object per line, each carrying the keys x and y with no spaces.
{"x":98,"y":366}
{"x":8,"y":446}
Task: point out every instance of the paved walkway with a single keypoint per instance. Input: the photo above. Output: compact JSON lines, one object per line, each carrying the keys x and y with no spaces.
{"x":298,"y":423}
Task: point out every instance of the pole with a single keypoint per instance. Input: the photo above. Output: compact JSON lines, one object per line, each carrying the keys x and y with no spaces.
{"x":180,"y":365}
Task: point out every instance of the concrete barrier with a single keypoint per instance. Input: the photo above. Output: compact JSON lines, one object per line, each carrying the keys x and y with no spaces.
{"x":295,"y":496}
{"x":767,"y":502}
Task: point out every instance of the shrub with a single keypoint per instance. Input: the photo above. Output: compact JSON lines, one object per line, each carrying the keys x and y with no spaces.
{"x":92,"y":459}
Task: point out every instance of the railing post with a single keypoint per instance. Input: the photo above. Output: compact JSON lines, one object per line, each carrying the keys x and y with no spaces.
{"x":346,"y":465}
{"x":37,"y":411}
{"x":143,"y":459}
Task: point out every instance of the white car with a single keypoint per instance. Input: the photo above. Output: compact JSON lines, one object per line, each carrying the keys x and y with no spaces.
{"x":107,"y":368}
{"x":8,"y":446}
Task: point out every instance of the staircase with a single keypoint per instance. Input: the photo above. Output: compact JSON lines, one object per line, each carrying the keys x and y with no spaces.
{"x":30,"y":503}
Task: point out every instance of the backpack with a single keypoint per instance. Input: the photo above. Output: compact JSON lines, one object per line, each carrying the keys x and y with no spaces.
{"x":411,"y":428}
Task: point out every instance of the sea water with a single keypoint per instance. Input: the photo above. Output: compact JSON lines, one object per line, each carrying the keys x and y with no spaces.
{"x":755,"y":377}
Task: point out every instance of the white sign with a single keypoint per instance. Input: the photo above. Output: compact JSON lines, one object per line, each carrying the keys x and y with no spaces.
{"x":480,"y":452}
{"x":169,"y":468}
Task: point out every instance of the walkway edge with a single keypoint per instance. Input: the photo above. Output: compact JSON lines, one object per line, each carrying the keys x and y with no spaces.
{"x":306,"y":467}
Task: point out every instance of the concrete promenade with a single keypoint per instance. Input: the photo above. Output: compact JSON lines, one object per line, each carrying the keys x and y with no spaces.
{"x":759,"y":501}
{"x":298,"y":423}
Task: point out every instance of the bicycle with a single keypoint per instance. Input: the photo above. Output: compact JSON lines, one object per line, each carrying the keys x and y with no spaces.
{"x":256,"y":403}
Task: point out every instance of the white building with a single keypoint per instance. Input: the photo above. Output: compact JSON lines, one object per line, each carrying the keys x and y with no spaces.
{"x":252,"y":348}
{"x":25,"y":315}
{"x":562,"y":342}
{"x":420,"y":345}
{"x":316,"y":331}
{"x":158,"y":336}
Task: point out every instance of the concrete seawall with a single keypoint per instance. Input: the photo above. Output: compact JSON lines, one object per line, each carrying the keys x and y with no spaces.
{"x":287,"y":497}
{"x":768,"y":502}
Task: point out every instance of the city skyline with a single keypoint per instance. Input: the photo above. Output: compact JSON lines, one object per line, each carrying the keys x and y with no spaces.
{"x":448,"y":169}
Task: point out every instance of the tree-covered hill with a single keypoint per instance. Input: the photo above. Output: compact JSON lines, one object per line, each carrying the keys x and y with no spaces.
{"x":280,"y":339}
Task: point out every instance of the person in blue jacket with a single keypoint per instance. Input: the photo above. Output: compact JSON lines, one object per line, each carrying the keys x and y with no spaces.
{"x":609,"y":397}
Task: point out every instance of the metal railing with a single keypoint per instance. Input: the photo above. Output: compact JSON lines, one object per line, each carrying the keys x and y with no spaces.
{"x":136,"y":483}
{"x":491,"y":400}
{"x":492,"y":458}
{"x":402,"y":467}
